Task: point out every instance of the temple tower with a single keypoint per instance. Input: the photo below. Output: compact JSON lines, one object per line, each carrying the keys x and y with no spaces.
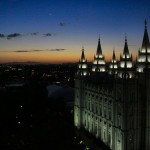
{"x":99,"y":60}
{"x":113,"y":66}
{"x":144,"y":52}
{"x":125,"y":69}
{"x":82,"y":73}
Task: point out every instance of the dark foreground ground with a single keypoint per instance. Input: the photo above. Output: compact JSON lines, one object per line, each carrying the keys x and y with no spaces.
{"x":30,"y":120}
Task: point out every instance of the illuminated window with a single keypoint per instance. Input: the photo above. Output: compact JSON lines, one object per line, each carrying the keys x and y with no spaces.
{"x":129,"y":65}
{"x":142,"y":59}
{"x":111,"y":66}
{"x":102,"y":69}
{"x":143,"y":50}
{"x":130,"y":75}
{"x":84,"y":66}
{"x":79,"y":66}
{"x":122,"y":64}
{"x":115,"y":66}
{"x":84,"y":73}
{"x":101,"y":62}
{"x":93,"y":69}
{"x":83,"y":60}
{"x":95,"y":62}
{"x":140,"y":69}
{"x":127,"y":56}
{"x":113,"y":61}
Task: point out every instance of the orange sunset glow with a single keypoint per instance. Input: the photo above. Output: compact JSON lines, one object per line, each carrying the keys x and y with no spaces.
{"x":41,"y":33}
{"x":63,"y":56}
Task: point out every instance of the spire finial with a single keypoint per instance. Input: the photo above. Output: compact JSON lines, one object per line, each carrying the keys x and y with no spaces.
{"x":125,"y":38}
{"x":99,"y":50}
{"x":114,"y":57}
{"x":145,"y":22}
{"x":82,"y":48}
{"x":82,"y":55}
{"x":99,"y":38}
{"x":113,"y":51}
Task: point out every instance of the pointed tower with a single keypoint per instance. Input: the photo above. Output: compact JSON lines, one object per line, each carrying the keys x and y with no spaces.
{"x":80,"y":80}
{"x":125,"y":69}
{"x":99,"y":62}
{"x":82,"y":66}
{"x":113,"y":66}
{"x":144,"y":52}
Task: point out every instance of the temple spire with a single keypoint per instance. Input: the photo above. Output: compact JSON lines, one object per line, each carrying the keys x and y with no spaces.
{"x":131,"y":57}
{"x":99,"y":49}
{"x":113,"y":64}
{"x":125,"y":65}
{"x":145,"y":42}
{"x":145,"y":24}
{"x":126,"y":50}
{"x":82,"y":55}
{"x":144,"y":52}
{"x":99,"y":60}
{"x":82,"y":65}
{"x":114,"y":57}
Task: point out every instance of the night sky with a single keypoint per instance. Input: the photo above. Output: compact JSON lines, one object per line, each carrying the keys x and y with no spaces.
{"x":54,"y":31}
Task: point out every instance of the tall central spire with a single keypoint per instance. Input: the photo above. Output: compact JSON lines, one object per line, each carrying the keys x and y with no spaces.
{"x":113,"y":66}
{"x":126,"y":50}
{"x":99,"y":62}
{"x":145,"y":24}
{"x":82,"y":55}
{"x":145,"y":42}
{"x":114,"y":56}
{"x":125,"y":65}
{"x":99,"y":49}
{"x":82,"y":65}
{"x":144,"y":53}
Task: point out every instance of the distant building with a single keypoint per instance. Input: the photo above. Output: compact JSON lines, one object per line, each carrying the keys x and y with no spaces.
{"x":114,"y":103}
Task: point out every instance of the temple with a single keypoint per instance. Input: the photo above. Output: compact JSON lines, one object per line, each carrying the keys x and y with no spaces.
{"x":112,"y":101}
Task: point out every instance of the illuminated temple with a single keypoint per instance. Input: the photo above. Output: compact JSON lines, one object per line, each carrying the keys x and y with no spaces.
{"x":112,"y":101}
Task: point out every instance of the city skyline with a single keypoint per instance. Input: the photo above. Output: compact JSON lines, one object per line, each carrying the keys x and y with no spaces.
{"x":55,"y":31}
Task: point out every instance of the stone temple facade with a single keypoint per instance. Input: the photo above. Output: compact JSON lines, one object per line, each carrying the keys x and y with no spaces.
{"x":112,"y":101}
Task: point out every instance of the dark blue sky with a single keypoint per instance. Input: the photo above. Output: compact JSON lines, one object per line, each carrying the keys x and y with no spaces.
{"x":61,"y":27}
